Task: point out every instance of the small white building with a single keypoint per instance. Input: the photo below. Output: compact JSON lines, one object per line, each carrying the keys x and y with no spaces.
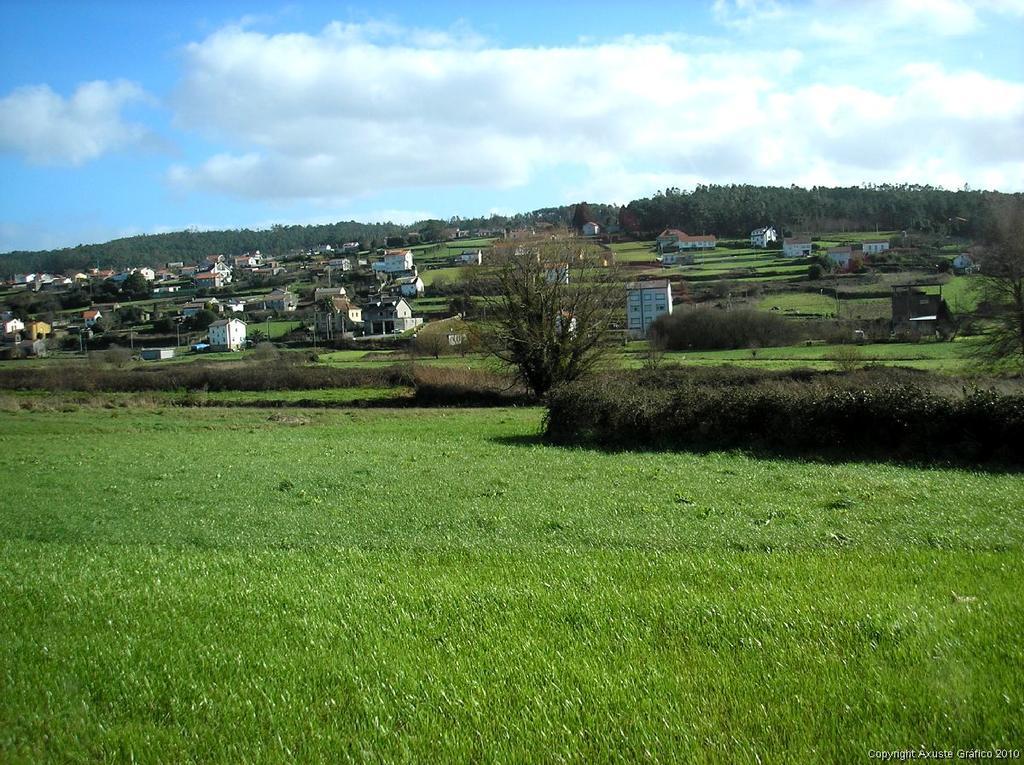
{"x":91,"y":317}
{"x":760,"y":237}
{"x":12,"y":326}
{"x":590,"y":228}
{"x":147,"y":273}
{"x":227,"y":335}
{"x":645,"y":302}
{"x":471,"y":257}
{"x":410,"y":286}
{"x":797,"y":247}
{"x":156,"y":354}
{"x":874,"y":246}
{"x":340,"y":264}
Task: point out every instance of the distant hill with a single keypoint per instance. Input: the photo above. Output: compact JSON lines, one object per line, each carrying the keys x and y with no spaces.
{"x":731,"y":210}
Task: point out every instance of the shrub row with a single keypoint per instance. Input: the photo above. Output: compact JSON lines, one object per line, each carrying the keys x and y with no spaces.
{"x":432,"y":386}
{"x":849,"y":415}
{"x":705,"y":329}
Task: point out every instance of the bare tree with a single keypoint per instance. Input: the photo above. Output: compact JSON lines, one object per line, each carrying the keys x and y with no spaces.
{"x":1001,"y":284}
{"x":554,"y":307}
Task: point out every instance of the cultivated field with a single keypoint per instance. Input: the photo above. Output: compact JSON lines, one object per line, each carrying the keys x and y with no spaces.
{"x":246,"y":585}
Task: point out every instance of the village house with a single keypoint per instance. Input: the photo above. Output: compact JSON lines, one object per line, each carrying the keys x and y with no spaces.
{"x":281,"y":300}
{"x":91,"y":317}
{"x":322,"y":293}
{"x":761,"y":237}
{"x":410,"y":286}
{"x":590,"y":228}
{"x":673,"y":239}
{"x":209,"y":280}
{"x":874,"y":246}
{"x":388,"y":315}
{"x":193,"y":307}
{"x":340,"y":264}
{"x":175,"y":265}
{"x":797,"y":247}
{"x":394,"y":261}
{"x":350,"y":248}
{"x":677,"y":259}
{"x":12,"y":326}
{"x":645,"y":302}
{"x":342,"y":321}
{"x":471,"y":257}
{"x":840,"y":257}
{"x":37,"y":330}
{"x":227,"y":335}
{"x":167,"y":289}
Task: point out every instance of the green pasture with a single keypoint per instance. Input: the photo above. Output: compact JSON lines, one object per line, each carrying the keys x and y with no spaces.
{"x":247,"y":585}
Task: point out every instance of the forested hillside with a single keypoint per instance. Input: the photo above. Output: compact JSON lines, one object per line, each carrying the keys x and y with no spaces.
{"x":722,"y":210}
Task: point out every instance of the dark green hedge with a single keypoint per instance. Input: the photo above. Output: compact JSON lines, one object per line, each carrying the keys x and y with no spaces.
{"x":859,"y":415}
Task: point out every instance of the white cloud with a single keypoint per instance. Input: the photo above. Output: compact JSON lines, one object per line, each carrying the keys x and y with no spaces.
{"x":47,"y":128}
{"x":358,"y":110}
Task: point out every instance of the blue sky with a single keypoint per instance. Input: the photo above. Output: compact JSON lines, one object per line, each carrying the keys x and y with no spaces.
{"x":123,"y":117}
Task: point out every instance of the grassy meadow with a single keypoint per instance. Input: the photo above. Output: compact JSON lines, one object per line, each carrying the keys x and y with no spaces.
{"x":241,"y":585}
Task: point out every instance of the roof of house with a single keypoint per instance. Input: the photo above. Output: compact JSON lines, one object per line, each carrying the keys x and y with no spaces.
{"x":208,"y":275}
{"x":796,"y":240}
{"x":697,"y":238}
{"x":762,"y":230}
{"x":650,"y":284}
{"x":225,"y":322}
{"x":671,"y":232}
{"x":381,"y":302}
{"x":875,"y":241}
{"x":90,"y":314}
{"x":840,"y":250}
{"x":407,"y":280}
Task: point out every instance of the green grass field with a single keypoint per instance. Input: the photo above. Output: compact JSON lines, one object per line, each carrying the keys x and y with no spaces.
{"x":233,"y":585}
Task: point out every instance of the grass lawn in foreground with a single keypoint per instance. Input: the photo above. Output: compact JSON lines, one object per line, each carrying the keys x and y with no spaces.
{"x":229,"y":585}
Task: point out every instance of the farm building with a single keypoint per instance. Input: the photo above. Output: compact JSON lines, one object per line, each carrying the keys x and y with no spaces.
{"x":761,"y":237}
{"x":471,"y":257}
{"x":410,"y":286}
{"x":227,"y":335}
{"x":590,"y":228}
{"x":796,"y":247}
{"x":321,"y":293}
{"x":874,"y":246}
{"x":672,"y":239}
{"x":645,"y":302}
{"x":919,"y":309}
{"x":91,"y":317}
{"x":156,"y":354}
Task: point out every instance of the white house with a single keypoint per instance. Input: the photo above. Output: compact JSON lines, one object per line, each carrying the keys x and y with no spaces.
{"x":394,"y":261}
{"x":410,"y":286}
{"x":645,"y":302}
{"x":760,"y":237}
{"x":796,"y":247}
{"x":147,"y":273}
{"x":227,"y":335}
{"x":190,"y":309}
{"x":471,"y":257}
{"x":874,"y":246}
{"x":11,"y":326}
{"x":341,"y":264}
{"x":91,"y":317}
{"x":697,"y":242}
{"x":840,"y":257}
{"x":590,"y":228}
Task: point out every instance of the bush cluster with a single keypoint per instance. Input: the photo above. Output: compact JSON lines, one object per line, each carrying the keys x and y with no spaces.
{"x":870,"y":413}
{"x":706,"y":329}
